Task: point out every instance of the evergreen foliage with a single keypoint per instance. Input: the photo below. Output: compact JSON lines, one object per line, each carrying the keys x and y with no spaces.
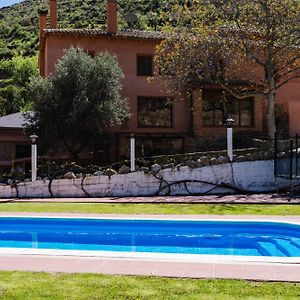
{"x":19,"y":22}
{"x":15,"y":74}
{"x":73,"y":106}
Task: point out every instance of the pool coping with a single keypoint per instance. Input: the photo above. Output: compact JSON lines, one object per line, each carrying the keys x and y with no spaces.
{"x":204,"y":266}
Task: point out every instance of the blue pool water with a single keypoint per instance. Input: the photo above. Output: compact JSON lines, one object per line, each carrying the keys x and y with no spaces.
{"x":163,"y":236}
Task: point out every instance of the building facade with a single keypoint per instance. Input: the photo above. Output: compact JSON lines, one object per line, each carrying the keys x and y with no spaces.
{"x":15,"y":152}
{"x":161,"y":122}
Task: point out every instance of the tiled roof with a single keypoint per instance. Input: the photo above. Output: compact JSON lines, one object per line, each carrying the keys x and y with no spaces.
{"x":16,"y":120}
{"x":134,"y":34}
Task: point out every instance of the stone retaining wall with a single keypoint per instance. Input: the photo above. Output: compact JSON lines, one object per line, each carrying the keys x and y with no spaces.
{"x":242,"y":177}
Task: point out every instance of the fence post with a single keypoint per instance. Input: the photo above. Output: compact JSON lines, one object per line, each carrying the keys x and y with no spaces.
{"x":132,"y":153}
{"x":33,"y":138}
{"x":296,"y":158}
{"x":275,"y":153}
{"x":291,"y":159}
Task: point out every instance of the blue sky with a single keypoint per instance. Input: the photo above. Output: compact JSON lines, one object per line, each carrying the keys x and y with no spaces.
{"x":8,"y":2}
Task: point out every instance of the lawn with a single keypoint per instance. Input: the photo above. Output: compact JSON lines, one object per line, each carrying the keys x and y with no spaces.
{"x":25,"y":285}
{"x":121,"y":208}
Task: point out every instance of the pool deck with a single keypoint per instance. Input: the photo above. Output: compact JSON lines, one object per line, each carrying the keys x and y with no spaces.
{"x":208,"y":268}
{"x":209,"y":199}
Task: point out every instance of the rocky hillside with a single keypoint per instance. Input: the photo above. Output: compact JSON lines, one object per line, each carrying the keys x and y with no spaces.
{"x":19,"y":22}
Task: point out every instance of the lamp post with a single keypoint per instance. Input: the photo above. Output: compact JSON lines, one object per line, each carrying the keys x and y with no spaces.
{"x":132,"y":153}
{"x":229,"y":121}
{"x":33,"y":138}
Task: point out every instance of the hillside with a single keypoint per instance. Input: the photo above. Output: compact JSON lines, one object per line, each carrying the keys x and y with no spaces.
{"x":19,"y":37}
{"x":19,"y":22}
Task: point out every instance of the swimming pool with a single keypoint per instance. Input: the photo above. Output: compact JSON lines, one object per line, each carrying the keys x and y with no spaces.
{"x":234,"y":238}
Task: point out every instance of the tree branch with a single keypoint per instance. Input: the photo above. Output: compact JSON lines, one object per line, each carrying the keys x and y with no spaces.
{"x":287,"y":80}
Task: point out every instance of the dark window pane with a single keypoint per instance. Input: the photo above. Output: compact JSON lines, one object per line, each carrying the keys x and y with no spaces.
{"x":144,"y":65}
{"x":23,"y":151}
{"x":207,"y":113}
{"x":233,"y":110}
{"x":158,"y":146}
{"x":154,"y":112}
{"x":216,"y":107}
{"x":246,"y":112}
{"x":219,"y":113}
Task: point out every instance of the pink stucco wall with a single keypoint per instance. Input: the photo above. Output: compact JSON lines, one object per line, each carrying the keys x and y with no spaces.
{"x":289,"y":96}
{"x":126,"y":51}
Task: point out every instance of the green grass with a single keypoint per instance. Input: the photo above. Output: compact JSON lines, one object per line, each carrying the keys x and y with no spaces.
{"x":120,"y":208}
{"x":31,"y":286}
{"x":25,"y":285}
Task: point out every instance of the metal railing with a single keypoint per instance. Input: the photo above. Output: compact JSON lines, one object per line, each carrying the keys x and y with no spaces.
{"x":287,"y":156}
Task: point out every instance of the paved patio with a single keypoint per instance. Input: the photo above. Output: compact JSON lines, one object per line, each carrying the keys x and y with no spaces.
{"x":67,"y":264}
{"x":243,"y":199}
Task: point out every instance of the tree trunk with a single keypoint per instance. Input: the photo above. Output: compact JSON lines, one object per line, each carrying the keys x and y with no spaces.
{"x":73,"y":154}
{"x":270,"y":111}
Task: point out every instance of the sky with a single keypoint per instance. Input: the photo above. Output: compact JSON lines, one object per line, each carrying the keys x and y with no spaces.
{"x":8,"y":2}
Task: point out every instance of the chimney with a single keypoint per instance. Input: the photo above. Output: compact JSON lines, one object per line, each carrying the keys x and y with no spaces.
{"x":42,"y":20}
{"x":112,"y":20}
{"x":53,"y":14}
{"x":42,"y":26}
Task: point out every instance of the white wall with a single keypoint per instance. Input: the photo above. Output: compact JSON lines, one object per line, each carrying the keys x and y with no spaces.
{"x":249,"y":176}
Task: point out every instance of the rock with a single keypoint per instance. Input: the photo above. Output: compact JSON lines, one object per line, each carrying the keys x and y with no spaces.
{"x":234,"y":157}
{"x":12,"y":182}
{"x":241,"y":158}
{"x":155,"y":168}
{"x":59,"y":177}
{"x":213,"y":161}
{"x":199,"y":163}
{"x":98,"y":173}
{"x":204,"y":160}
{"x":179,"y":166}
{"x":190,"y":163}
{"x":124,"y":169}
{"x":144,"y":169}
{"x":270,"y":154}
{"x":169,"y":166}
{"x":46,"y":178}
{"x":110,"y":172}
{"x":249,"y":156}
{"x":256,"y":156}
{"x":69,"y":175}
{"x":27,"y":180}
{"x":223,"y":159}
{"x":39,"y":178}
{"x":79,"y":175}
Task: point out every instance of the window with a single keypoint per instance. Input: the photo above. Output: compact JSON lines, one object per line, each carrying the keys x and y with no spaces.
{"x":154,"y":112}
{"x":90,"y":53}
{"x":156,"y":145}
{"x":23,"y":151}
{"x":144,"y":65}
{"x":216,"y":108}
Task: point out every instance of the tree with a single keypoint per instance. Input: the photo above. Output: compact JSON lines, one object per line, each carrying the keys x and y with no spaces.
{"x":260,"y":35}
{"x":15,"y":75}
{"x":73,"y":106}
